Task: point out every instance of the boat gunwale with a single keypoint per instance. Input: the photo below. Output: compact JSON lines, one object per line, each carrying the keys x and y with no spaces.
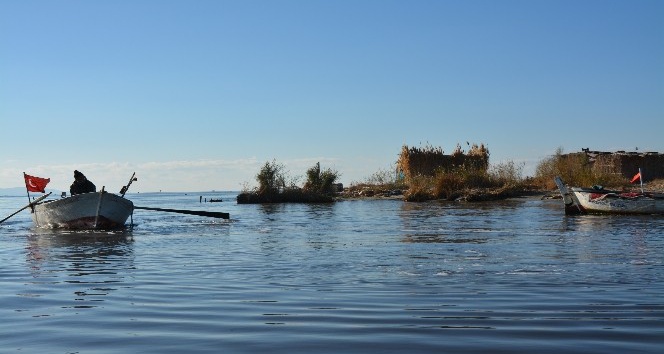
{"x":619,"y":194}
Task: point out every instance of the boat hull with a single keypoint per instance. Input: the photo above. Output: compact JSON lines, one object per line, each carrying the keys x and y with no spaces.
{"x":623,"y":203}
{"x":98,"y":210}
{"x":589,"y":200}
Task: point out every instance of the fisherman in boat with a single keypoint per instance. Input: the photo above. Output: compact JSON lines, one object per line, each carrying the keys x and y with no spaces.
{"x":81,"y":184}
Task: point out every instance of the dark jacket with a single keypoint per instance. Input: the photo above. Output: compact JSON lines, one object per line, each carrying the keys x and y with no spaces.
{"x":83,"y":186}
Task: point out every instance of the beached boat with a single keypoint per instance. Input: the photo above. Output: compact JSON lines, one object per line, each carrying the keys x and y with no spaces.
{"x":599,"y":200}
{"x":96,"y":210}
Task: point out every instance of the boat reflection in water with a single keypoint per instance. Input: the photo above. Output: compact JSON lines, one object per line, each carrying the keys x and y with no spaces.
{"x":90,"y":264}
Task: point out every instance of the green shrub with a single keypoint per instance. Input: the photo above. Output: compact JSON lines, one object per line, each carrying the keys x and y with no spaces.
{"x":321,"y":181}
{"x":274,"y":186}
{"x":271,"y":178}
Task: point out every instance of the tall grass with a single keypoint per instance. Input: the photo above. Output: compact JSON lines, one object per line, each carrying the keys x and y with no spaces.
{"x":500,"y":179}
{"x":574,"y":169}
{"x":420,"y":188}
{"x":386,"y":178}
{"x":388,"y":181}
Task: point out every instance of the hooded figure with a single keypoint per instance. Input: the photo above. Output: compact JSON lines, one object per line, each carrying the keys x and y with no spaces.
{"x":81,"y":184}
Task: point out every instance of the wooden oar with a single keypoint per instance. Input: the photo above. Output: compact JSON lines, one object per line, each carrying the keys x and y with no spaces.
{"x":211,"y":214}
{"x":27,"y":206}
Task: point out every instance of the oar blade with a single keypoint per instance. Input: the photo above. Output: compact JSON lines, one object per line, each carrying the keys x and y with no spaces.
{"x":211,"y":214}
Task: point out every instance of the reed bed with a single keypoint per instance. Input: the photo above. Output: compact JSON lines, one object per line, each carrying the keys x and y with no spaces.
{"x":574,"y":169}
{"x":430,"y":174}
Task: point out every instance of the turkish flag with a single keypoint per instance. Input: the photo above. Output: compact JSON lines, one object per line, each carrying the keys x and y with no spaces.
{"x":35,"y":184}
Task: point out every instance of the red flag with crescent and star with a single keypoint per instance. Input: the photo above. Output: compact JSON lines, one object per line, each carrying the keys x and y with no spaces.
{"x":35,"y":184}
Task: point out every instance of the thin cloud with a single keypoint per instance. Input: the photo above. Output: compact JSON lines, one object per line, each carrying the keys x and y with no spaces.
{"x":177,"y":175}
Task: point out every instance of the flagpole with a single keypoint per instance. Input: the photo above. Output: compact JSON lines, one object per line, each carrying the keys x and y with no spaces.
{"x":641,"y":179}
{"x":26,"y":188}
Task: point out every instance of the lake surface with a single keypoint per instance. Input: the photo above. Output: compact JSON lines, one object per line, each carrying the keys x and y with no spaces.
{"x":361,"y":276}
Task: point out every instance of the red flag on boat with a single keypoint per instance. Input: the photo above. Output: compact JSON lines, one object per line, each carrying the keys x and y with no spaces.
{"x":35,"y":184}
{"x":636,"y":177}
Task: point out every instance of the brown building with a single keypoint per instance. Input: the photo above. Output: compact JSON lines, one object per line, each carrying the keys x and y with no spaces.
{"x":626,"y":164}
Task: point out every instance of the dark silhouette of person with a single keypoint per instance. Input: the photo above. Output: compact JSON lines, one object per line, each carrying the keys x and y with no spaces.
{"x":81,"y":184}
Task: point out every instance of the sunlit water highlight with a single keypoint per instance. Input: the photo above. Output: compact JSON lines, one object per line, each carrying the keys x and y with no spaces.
{"x":354,"y":276}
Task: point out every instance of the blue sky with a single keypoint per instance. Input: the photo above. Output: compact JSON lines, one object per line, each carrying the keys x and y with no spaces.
{"x":197,"y":95}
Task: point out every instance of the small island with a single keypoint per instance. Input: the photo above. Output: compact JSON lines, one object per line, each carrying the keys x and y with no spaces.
{"x":427,"y":173}
{"x":275,"y":187}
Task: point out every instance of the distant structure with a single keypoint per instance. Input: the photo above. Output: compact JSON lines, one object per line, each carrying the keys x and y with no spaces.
{"x":426,"y":161}
{"x":625,"y":164}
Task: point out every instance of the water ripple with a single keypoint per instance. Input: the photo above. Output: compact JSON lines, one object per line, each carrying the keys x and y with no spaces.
{"x":355,"y":276}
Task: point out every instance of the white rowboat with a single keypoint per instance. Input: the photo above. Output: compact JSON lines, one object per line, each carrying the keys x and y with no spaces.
{"x":599,"y":200}
{"x":96,"y":210}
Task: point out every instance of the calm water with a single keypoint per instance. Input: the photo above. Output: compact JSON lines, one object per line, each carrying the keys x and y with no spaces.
{"x":355,"y":276}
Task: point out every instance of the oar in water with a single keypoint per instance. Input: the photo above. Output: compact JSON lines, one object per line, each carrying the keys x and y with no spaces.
{"x":27,"y":206}
{"x":211,"y":214}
